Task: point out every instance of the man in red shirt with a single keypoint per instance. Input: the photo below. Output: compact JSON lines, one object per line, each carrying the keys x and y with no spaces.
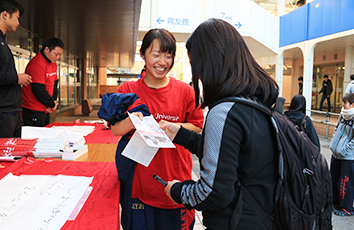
{"x":40,"y":97}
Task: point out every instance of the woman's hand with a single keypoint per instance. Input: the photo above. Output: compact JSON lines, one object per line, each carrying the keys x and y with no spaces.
{"x":122,"y":127}
{"x":168,"y":188}
{"x":138,"y":114}
{"x":170,"y":129}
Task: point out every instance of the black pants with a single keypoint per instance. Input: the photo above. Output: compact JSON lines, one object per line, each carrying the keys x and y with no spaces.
{"x":35,"y":118}
{"x":342,"y":182}
{"x":10,"y":124}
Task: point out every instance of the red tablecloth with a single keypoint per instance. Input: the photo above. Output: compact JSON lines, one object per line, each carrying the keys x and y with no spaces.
{"x":101,"y":210}
{"x":99,"y":135}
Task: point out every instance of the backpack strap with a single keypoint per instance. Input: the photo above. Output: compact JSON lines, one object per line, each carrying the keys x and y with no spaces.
{"x":302,"y":126}
{"x":236,"y":215}
{"x":267,"y":220}
{"x":251,"y":101}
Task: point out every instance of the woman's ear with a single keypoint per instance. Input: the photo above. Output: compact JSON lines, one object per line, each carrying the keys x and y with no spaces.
{"x":142,"y":55}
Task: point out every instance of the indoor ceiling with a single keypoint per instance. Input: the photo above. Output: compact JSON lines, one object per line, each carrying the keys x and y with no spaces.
{"x":105,"y":31}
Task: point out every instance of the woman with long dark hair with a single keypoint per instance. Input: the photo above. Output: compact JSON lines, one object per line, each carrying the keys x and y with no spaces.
{"x":297,"y":114}
{"x":238,"y":143}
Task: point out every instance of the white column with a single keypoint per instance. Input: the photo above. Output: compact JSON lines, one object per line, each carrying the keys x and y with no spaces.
{"x":281,"y":7}
{"x":349,"y":66}
{"x":279,"y":72}
{"x":308,"y":72}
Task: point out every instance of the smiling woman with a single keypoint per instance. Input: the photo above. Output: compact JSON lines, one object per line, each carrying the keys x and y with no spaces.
{"x":167,"y":99}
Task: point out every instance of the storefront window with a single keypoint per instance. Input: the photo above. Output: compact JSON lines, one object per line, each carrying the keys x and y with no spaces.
{"x":335,"y":73}
{"x":63,"y":81}
{"x":91,"y":79}
{"x":70,"y":89}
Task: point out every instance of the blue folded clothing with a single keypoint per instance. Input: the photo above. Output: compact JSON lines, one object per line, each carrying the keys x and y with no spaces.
{"x":115,"y":107}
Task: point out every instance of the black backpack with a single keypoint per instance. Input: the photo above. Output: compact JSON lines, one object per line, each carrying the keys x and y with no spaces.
{"x":303,"y":196}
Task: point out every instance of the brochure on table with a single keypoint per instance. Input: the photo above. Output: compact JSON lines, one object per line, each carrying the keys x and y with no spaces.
{"x":147,"y":139}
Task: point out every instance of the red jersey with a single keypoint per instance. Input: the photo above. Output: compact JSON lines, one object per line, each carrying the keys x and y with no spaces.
{"x":42,"y":72}
{"x":174,"y":103}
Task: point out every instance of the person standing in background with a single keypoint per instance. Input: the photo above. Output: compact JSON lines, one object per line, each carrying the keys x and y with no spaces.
{"x":297,"y":114}
{"x":350,"y":87}
{"x":342,"y":171}
{"x":300,"y":79}
{"x":40,"y":98}
{"x":10,"y":81}
{"x":326,"y":91}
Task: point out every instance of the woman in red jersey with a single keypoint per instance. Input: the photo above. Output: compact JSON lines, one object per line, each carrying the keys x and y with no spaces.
{"x":170,"y":100}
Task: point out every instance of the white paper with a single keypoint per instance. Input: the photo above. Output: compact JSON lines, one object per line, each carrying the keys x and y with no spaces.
{"x":146,"y":141}
{"x":39,"y":201}
{"x":30,"y":132}
{"x":139,"y":151}
{"x":150,"y":131}
{"x":83,"y":129}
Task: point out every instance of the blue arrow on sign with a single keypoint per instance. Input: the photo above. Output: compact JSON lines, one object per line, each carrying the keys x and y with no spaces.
{"x":159,"y":20}
{"x":238,"y":24}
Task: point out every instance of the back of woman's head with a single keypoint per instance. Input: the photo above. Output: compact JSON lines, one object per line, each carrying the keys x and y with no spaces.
{"x":298,"y":103}
{"x":220,"y":58}
{"x":166,"y":38}
{"x":348,"y":98}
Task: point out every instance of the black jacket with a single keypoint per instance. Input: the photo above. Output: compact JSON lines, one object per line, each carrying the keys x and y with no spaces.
{"x":327,"y":87}
{"x":237,"y":144}
{"x":10,"y":91}
{"x":296,"y":117}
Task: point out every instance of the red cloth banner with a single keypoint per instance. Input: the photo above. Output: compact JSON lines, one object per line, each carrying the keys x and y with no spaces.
{"x":101,"y":210}
{"x":17,"y":147}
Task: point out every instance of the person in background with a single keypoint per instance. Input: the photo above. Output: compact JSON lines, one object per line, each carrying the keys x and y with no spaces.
{"x":342,"y":145}
{"x":326,"y":91}
{"x":10,"y":81}
{"x":297,"y":114}
{"x":238,"y":142}
{"x":167,"y":99}
{"x":350,"y":87}
{"x":300,"y":79}
{"x":40,"y":97}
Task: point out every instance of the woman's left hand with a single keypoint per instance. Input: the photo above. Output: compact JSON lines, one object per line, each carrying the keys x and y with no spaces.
{"x":168,"y":188}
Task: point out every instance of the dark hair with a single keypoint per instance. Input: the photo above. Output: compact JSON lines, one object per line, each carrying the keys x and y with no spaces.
{"x":221,"y":59}
{"x":352,"y":77}
{"x":348,"y":98}
{"x":166,"y":38}
{"x":11,"y":7}
{"x":300,"y":78}
{"x":325,"y":76}
{"x":51,"y":43}
{"x":298,"y":103}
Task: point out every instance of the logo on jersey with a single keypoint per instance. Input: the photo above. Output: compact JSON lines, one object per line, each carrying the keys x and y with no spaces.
{"x":50,"y":74}
{"x":166,"y":117}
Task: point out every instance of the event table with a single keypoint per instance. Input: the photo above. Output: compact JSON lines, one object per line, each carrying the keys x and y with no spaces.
{"x":101,"y":210}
